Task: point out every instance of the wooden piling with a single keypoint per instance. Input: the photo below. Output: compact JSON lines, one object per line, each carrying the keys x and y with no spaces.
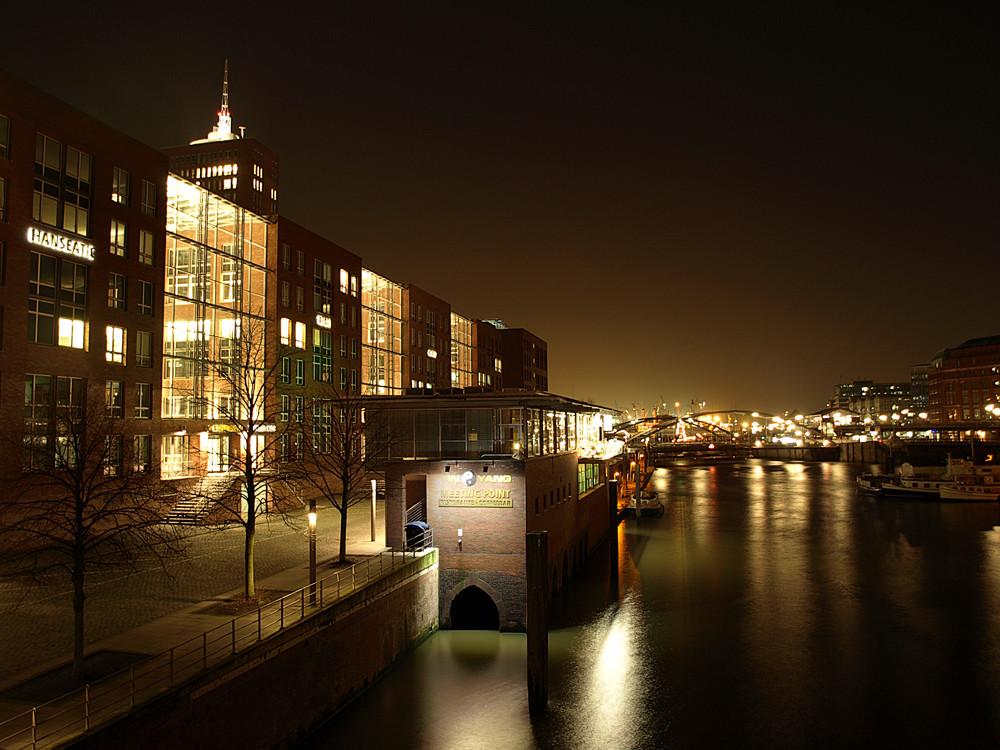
{"x":537,"y":563}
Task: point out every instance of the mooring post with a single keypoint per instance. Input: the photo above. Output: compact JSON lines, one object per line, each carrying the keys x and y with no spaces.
{"x":537,"y":563}
{"x":613,"y":540}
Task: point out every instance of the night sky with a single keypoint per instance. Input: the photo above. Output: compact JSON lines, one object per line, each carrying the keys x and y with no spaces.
{"x":686,"y":201}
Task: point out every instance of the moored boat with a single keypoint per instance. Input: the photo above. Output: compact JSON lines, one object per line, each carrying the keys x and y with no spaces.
{"x":925,"y":483}
{"x":981,"y":485}
{"x":871,"y":483}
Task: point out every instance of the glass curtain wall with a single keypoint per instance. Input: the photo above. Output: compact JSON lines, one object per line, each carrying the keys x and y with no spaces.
{"x":382,"y":359}
{"x":214,"y":307}
{"x":461,"y":352}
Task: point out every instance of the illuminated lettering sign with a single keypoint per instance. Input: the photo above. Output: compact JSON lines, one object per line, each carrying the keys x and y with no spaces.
{"x":324,"y":321}
{"x":60,"y":243}
{"x":477,"y":491}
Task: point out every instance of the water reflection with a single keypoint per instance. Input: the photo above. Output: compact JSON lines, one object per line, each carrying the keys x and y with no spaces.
{"x":772,"y":605}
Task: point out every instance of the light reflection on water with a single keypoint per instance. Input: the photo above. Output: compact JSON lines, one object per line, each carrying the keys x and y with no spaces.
{"x":771,"y":606}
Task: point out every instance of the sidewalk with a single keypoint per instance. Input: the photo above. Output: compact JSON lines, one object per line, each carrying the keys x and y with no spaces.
{"x":150,"y":611}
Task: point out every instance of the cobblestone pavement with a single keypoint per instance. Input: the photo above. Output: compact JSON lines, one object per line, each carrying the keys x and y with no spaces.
{"x":36,"y":624}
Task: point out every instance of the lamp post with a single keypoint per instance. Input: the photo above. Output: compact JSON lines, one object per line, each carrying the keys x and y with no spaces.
{"x":312,"y":551}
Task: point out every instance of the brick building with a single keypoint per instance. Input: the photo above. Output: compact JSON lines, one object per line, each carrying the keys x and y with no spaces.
{"x":82,"y":218}
{"x":482,"y":470}
{"x":963,"y":380}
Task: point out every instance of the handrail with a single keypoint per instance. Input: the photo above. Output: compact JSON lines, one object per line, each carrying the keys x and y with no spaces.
{"x":84,"y":708}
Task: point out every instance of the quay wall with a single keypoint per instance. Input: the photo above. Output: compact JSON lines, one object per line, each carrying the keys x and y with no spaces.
{"x":274,"y":694}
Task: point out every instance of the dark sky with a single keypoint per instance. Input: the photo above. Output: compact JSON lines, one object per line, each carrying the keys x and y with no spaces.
{"x":686,"y":201}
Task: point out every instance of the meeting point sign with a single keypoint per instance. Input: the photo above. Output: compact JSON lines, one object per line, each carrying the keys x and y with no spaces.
{"x":471,"y":490}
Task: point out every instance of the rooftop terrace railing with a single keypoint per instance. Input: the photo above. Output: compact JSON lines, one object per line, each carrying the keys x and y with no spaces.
{"x":79,"y":711}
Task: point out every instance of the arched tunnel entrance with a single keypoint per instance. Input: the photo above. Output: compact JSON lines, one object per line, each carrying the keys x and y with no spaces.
{"x":473,"y":609}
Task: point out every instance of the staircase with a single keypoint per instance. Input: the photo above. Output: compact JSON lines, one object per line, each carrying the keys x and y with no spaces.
{"x":194,"y":505}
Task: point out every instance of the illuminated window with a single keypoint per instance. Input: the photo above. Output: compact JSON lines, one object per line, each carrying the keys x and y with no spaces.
{"x":354,"y":286}
{"x":300,"y":335}
{"x":119,"y":186}
{"x":116,"y":291}
{"x":286,"y":331}
{"x":119,"y":241}
{"x":115,"y":350}
{"x":344,"y":276}
{"x":113,"y":398}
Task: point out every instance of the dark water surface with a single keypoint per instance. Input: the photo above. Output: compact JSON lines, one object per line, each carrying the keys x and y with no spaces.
{"x":772,"y":605}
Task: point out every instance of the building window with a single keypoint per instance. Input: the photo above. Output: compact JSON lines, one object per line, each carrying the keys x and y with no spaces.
{"x":284,"y":407}
{"x":115,"y":350}
{"x":4,"y":136}
{"x":146,"y":247}
{"x":300,"y":335}
{"x":143,"y":453}
{"x":300,"y":372}
{"x":116,"y":291}
{"x":143,"y":401}
{"x":113,"y":398}
{"x":119,"y":241}
{"x":322,"y":355}
{"x":343,"y":378}
{"x":285,"y":299}
{"x":148,"y":202}
{"x":145,"y":302}
{"x":46,"y":307}
{"x":301,"y":265}
{"x":354,"y":380}
{"x":300,"y":299}
{"x":285,"y":332}
{"x":119,"y":186}
{"x":286,"y":365}
{"x":3,"y":199}
{"x":300,"y":407}
{"x":286,"y":257}
{"x":143,"y":349}
{"x":354,"y":348}
{"x":354,"y":286}
{"x":113,"y":445}
{"x":344,"y":276}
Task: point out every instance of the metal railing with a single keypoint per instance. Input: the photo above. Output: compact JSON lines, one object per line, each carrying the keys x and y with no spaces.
{"x":76,"y":712}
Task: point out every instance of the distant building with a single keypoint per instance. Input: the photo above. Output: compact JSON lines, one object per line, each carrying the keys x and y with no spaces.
{"x":525,"y":358}
{"x":241,"y":170}
{"x":920,"y":396}
{"x":870,"y":400}
{"x":429,"y":342}
{"x":963,"y":380}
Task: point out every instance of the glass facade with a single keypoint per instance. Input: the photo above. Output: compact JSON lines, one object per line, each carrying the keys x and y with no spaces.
{"x":462,"y":353}
{"x":216,"y":280}
{"x":383,"y":364}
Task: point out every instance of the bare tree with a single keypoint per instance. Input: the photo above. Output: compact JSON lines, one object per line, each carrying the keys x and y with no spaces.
{"x":350,"y":437}
{"x":244,"y":404}
{"x":86,"y":499}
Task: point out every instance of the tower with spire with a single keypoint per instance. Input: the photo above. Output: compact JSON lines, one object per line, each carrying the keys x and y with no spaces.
{"x":238,"y":168}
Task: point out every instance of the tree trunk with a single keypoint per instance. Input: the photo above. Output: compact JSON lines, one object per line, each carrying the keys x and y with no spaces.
{"x":78,"y":599}
{"x":249,"y":588}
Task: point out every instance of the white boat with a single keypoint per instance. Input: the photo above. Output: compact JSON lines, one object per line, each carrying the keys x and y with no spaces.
{"x":649,"y":507}
{"x":926,"y":482}
{"x":982,"y":485}
{"x":871,"y":483}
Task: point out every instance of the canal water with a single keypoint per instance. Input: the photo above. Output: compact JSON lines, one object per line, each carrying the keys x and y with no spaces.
{"x":771,"y":606}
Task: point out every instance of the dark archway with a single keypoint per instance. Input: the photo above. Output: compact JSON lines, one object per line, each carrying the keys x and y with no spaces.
{"x":473,"y":609}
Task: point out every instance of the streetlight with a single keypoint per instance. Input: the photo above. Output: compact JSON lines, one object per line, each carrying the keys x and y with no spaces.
{"x":312,"y":550}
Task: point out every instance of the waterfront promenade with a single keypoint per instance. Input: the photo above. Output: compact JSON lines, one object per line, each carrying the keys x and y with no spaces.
{"x":156,"y":607}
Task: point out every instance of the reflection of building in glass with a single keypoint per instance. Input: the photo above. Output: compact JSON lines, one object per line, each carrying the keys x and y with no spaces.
{"x":214,"y":296}
{"x":383,"y":365}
